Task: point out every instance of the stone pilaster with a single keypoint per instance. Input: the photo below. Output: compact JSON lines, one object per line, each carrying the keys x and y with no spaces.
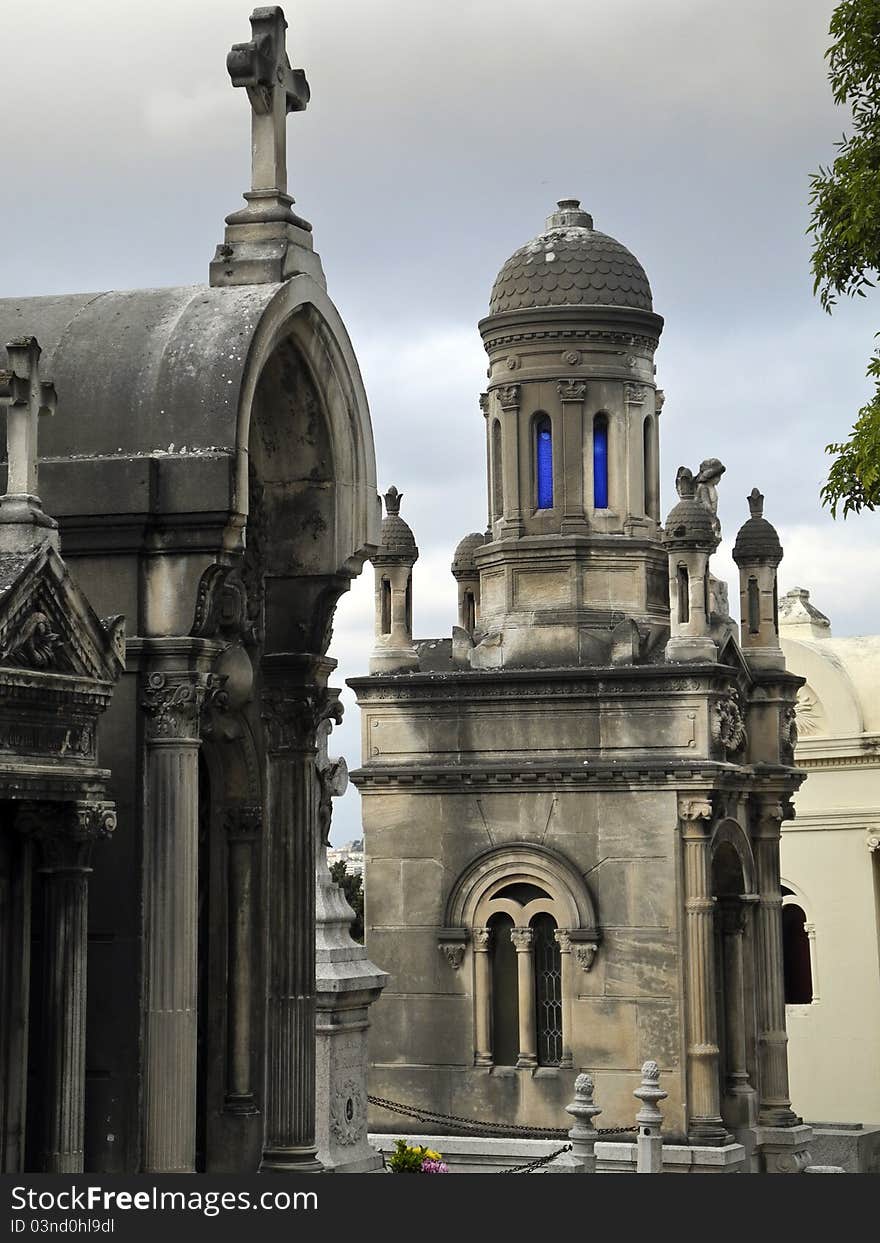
{"x":572,"y":394}
{"x":705,"y":1125}
{"x":738,"y":1089}
{"x":66,"y":833}
{"x":243,"y":826}
{"x":481,"y":941}
{"x":292,"y":704}
{"x":172,"y":701}
{"x":563,"y":940}
{"x":774,"y":1100}
{"x":523,"y":940}
{"x":510,"y":524}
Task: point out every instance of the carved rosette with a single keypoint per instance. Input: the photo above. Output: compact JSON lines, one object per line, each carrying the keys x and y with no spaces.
{"x":508,"y":395}
{"x":173,"y":703}
{"x":571,"y":390}
{"x":348,"y":1111}
{"x":728,"y":724}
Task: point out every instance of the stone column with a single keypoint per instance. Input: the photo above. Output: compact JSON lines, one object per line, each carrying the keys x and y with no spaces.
{"x":572,"y":394}
{"x":523,"y":940}
{"x":242,"y":833}
{"x":775,"y":1102}
{"x":481,"y":941}
{"x":172,"y":701}
{"x":66,"y":834}
{"x":705,"y":1125}
{"x":511,"y":521}
{"x":293,"y":700}
{"x":563,"y":940}
{"x":737,"y":1085}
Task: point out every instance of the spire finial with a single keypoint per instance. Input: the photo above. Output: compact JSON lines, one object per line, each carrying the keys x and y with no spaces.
{"x":392,"y":501}
{"x":756,"y":503}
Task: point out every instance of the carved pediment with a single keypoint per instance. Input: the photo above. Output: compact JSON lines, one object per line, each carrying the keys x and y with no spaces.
{"x":48,"y":626}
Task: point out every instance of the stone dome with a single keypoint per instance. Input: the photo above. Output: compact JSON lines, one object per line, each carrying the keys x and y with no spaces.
{"x":690,"y":523}
{"x":396,"y":541}
{"x":570,"y":264}
{"x":757,"y":539}
{"x":463,"y":559}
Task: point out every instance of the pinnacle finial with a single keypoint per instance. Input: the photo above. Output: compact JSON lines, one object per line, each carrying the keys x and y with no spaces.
{"x":392,"y":501}
{"x":756,"y":503}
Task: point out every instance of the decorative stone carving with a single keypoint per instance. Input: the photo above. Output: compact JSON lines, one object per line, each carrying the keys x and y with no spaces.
{"x":585,"y":952}
{"x":692,"y":807}
{"x":706,"y":480}
{"x":453,"y":952}
{"x":562,"y":936}
{"x":484,"y":402}
{"x":32,"y":644}
{"x":221,"y":604}
{"x":659,"y":400}
{"x":512,"y":363}
{"x":873,"y":839}
{"x":348,"y":1111}
{"x":482,"y":938}
{"x":292,"y":716}
{"x":728,"y":724}
{"x":332,"y":773}
{"x":522,"y":938}
{"x":173,"y":703}
{"x":571,"y":390}
{"x":810,"y":717}
{"x":571,"y":357}
{"x":634,"y":394}
{"x":508,"y":395}
{"x":788,"y":734}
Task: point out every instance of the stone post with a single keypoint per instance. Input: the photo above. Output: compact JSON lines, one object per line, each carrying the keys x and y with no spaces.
{"x":243,"y":825}
{"x":523,"y":940}
{"x":703,"y":1094}
{"x":482,"y":940}
{"x":563,"y":940}
{"x":172,"y":700}
{"x":66,"y":834}
{"x":583,"y":1134}
{"x":649,"y":1145}
{"x":737,"y":1086}
{"x":775,"y":1103}
{"x":293,"y":696}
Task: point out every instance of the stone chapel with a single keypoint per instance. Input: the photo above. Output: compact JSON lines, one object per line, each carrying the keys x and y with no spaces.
{"x":572,"y":809}
{"x":213,"y":480}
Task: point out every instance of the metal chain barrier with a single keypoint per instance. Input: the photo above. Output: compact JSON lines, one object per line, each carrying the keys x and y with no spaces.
{"x":531,"y":1166}
{"x":475,"y":1124}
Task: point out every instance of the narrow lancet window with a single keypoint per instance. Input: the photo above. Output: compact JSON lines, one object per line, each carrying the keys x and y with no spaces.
{"x":600,"y":461}
{"x":647,"y":466}
{"x":544,"y":462}
{"x":684,"y":594}
{"x":470,"y":612}
{"x":754,"y":607}
{"x":497,"y":473}
{"x":548,"y":991}
{"x":386,"y":606}
{"x":409,"y":604}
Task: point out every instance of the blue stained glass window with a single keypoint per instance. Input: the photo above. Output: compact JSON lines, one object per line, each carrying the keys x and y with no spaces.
{"x":600,"y":462}
{"x":544,"y":459}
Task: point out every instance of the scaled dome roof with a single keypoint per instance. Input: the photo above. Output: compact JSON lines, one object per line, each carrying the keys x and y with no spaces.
{"x":570,"y":264}
{"x":463,"y":559}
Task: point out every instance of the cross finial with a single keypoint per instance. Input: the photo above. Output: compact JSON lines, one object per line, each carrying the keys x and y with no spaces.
{"x":274,"y":89}
{"x":25,"y":397}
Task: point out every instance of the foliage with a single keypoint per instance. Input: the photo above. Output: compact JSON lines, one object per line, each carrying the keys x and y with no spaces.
{"x":414,"y":1159}
{"x":845,"y":224}
{"x":352,"y":886}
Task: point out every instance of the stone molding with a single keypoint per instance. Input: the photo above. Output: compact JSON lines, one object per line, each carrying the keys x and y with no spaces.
{"x":649,"y":776}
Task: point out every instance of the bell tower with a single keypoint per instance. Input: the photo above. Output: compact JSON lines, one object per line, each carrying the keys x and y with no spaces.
{"x":572,"y":411}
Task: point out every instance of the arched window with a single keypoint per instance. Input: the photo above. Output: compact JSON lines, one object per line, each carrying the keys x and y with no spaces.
{"x":505,"y":993}
{"x":386,"y":606}
{"x":647,"y":465}
{"x":548,"y":990}
{"x":470,"y":612}
{"x":409,"y":604}
{"x":600,"y":461}
{"x":754,"y":603}
{"x":544,"y":462}
{"x":684,"y":594}
{"x":796,"y":953}
{"x":497,"y":472}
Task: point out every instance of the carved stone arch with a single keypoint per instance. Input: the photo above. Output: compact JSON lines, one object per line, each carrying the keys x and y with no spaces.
{"x":729,"y":832}
{"x":528,"y":864}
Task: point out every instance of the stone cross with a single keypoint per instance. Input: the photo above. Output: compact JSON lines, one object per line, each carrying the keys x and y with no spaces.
{"x":274,"y":89}
{"x":25,"y":397}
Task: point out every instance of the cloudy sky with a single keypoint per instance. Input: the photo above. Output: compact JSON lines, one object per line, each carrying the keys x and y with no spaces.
{"x":439,"y":136}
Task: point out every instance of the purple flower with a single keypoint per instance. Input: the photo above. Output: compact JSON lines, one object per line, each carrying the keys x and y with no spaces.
{"x":434,"y":1167}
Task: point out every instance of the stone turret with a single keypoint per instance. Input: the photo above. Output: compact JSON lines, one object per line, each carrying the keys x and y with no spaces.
{"x":466,"y":574}
{"x":573,"y":459}
{"x":394,"y":651}
{"x":758,"y":552}
{"x":691,"y":536}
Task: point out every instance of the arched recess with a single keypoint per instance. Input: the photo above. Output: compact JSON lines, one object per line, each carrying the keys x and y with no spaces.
{"x":799,"y":954}
{"x":731,"y":833}
{"x":523,"y":894}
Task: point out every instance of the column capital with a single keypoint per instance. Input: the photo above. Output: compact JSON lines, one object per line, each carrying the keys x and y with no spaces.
{"x":522,"y":938}
{"x":694,"y":810}
{"x":769,"y":812}
{"x":509,"y":395}
{"x":243,"y":822}
{"x":293,"y":713}
{"x":481,"y":939}
{"x":562,"y":937}
{"x":571,"y":390}
{"x":173,"y":701}
{"x":66,"y":832}
{"x":733,"y":915}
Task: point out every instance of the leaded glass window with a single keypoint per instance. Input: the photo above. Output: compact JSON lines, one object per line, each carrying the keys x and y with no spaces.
{"x":544,"y":462}
{"x":548,"y":991}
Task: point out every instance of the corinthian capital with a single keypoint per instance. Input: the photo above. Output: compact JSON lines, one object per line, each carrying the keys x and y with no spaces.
{"x":294,"y":713}
{"x":508,"y":395}
{"x":522,"y":938}
{"x":173,"y":702}
{"x":571,"y":390}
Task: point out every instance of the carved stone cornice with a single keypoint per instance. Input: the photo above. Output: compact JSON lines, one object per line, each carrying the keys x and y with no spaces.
{"x":571,"y":390}
{"x":173,"y":703}
{"x":508,"y":395}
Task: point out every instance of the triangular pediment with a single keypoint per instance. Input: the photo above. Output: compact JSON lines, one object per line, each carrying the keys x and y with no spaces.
{"x":48,"y":626}
{"x":731,"y":655}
